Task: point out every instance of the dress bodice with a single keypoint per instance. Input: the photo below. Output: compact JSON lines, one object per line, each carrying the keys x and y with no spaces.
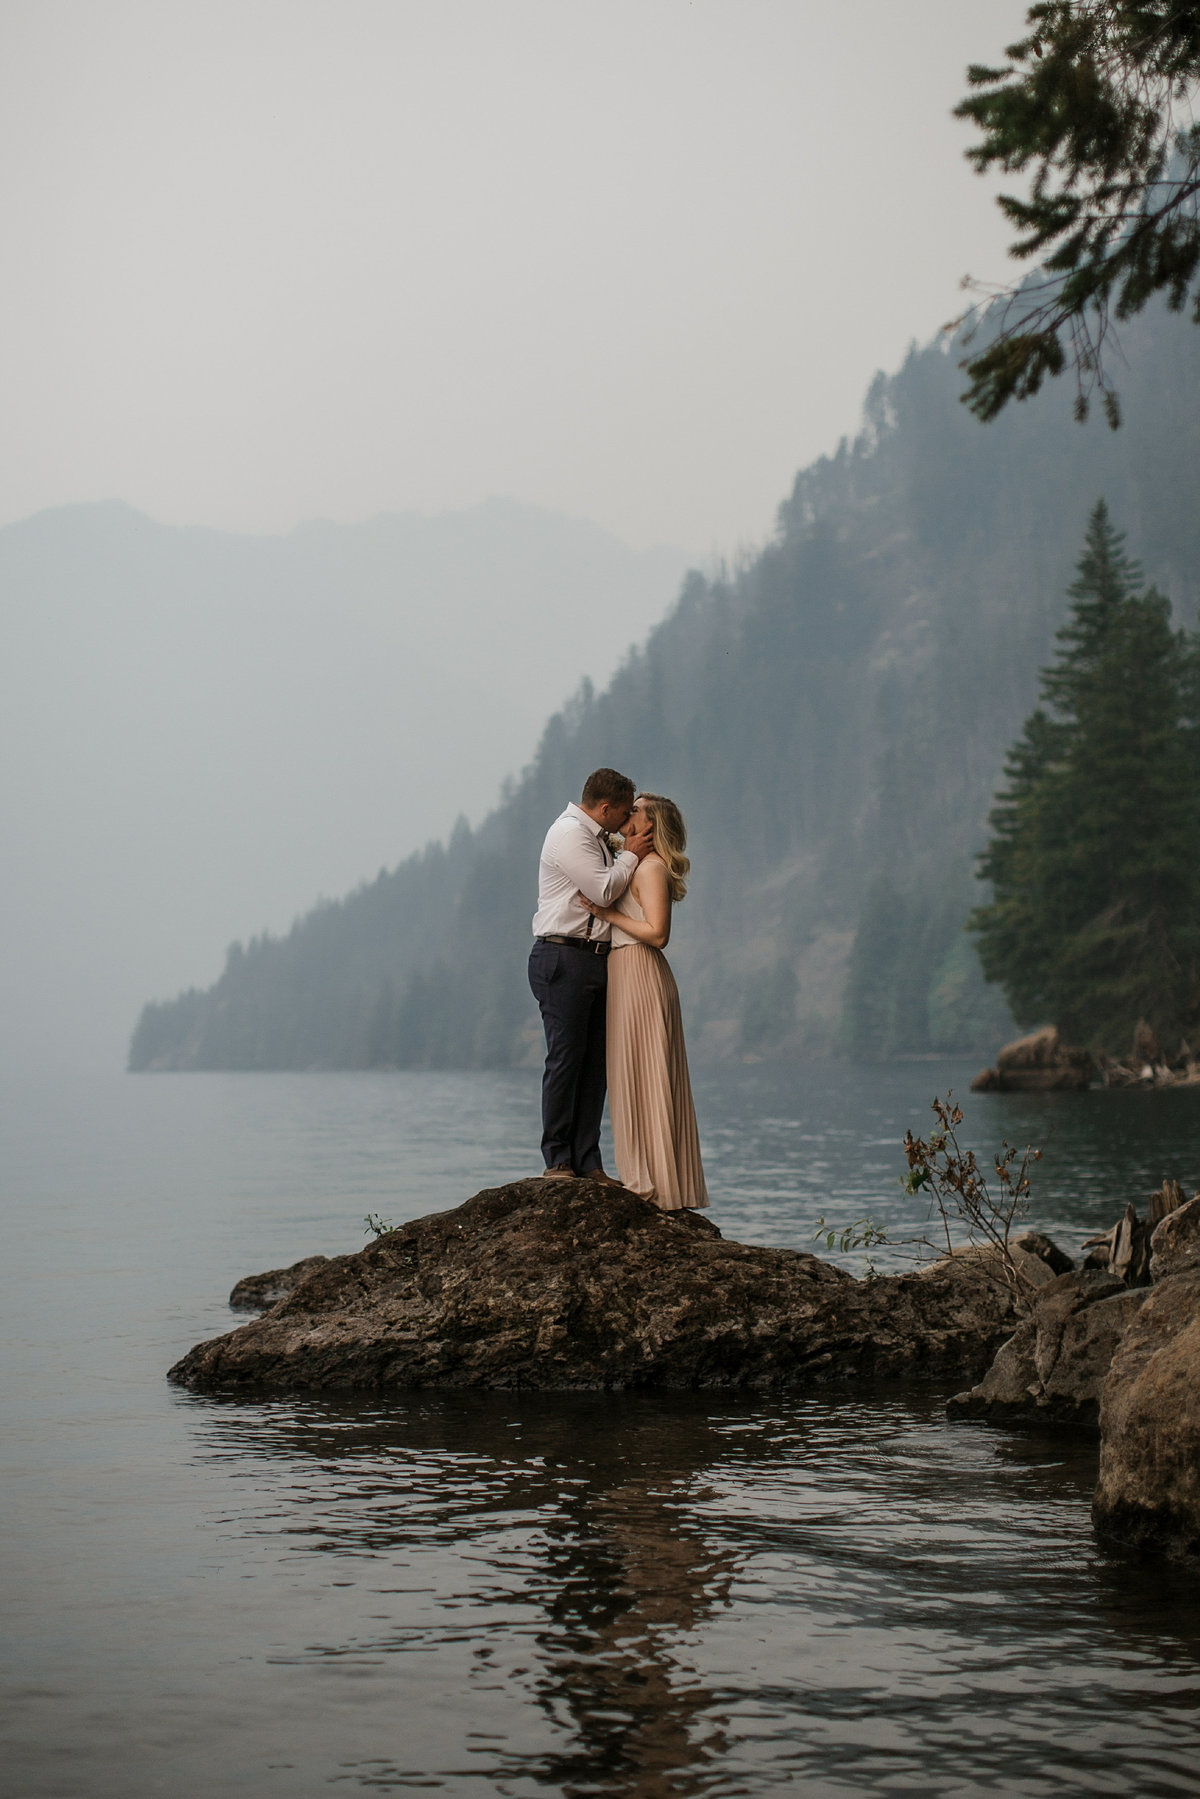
{"x":629,"y":906}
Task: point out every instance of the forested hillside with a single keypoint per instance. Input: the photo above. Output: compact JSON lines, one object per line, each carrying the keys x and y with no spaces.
{"x":833,"y":718}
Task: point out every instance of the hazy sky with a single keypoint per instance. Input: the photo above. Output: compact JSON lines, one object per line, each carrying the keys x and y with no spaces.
{"x":636,"y":260}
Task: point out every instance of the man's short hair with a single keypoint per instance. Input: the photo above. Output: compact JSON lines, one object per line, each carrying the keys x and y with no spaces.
{"x":606,"y":784}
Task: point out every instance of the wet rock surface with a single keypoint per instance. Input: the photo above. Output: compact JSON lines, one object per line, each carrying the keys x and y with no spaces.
{"x":579,"y":1286}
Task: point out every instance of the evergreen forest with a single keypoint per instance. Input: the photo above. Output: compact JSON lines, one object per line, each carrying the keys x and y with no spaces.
{"x":833,"y":715}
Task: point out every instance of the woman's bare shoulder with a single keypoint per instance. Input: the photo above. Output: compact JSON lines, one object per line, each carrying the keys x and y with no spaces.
{"x":652,"y":871}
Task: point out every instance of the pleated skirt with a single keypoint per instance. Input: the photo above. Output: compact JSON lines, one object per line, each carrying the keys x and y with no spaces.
{"x":649,"y":1091}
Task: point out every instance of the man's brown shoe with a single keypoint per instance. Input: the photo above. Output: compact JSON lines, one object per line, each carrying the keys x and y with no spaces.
{"x":562,"y":1171}
{"x":598,"y":1174}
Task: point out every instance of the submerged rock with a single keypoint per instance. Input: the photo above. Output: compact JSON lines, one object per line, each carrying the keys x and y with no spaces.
{"x":573,"y":1285}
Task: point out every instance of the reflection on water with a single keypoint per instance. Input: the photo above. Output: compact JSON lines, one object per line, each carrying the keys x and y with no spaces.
{"x":647,"y":1597}
{"x":588,"y":1574}
{"x":489,"y":1595}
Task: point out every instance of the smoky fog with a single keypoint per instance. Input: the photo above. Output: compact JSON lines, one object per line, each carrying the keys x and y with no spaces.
{"x":292,"y":295}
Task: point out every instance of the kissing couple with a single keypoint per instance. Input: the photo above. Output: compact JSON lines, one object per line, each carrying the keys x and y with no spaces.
{"x":608,"y":999}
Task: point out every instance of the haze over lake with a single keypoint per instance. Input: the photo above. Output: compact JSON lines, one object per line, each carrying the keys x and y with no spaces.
{"x":203,"y":733}
{"x":410,"y":404}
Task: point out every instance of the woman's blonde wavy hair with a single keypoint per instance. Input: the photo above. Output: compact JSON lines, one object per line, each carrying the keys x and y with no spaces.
{"x":670,"y":839}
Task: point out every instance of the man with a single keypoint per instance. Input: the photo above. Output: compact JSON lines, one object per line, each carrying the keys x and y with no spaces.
{"x":568,"y":967}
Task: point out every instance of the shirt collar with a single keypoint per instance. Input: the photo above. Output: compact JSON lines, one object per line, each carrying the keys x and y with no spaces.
{"x":574,"y":811}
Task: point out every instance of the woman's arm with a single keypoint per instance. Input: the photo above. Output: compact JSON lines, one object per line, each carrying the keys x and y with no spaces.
{"x":653,"y":895}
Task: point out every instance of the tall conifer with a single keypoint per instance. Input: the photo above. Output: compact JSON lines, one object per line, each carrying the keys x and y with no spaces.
{"x":1095,"y":853}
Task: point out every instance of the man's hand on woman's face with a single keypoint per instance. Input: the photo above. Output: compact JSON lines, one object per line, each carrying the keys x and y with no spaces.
{"x":640,"y":842}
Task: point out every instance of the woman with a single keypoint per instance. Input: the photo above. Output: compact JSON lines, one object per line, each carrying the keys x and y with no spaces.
{"x":649,"y":1093}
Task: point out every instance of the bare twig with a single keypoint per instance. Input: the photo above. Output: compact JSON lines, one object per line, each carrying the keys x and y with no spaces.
{"x":960,"y":1195}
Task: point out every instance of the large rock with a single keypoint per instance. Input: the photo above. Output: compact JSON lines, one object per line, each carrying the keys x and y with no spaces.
{"x":1148,"y":1494}
{"x":1175,"y":1245}
{"x":1038,"y":1063}
{"x":576,"y":1285}
{"x":1035,"y":1259}
{"x":1052,"y":1368}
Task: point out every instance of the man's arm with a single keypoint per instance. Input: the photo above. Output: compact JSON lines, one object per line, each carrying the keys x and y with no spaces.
{"x":582,"y":861}
{"x":654,"y":897}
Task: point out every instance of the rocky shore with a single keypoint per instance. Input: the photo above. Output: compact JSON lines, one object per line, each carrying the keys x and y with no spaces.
{"x":1114,"y":1348}
{"x":1043,"y":1063}
{"x":575,"y":1286}
{"x":1039,"y":1063}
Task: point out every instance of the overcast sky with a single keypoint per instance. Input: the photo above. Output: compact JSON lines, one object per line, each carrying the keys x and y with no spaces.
{"x":268,"y":260}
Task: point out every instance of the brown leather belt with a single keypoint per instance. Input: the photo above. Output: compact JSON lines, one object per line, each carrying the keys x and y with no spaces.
{"x":593,"y":948}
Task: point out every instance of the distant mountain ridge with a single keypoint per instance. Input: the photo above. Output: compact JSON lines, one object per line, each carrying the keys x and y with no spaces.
{"x":832,"y":717}
{"x":201,"y":730}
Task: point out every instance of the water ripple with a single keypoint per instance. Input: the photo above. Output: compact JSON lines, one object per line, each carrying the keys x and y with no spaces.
{"x":582,"y":1596}
{"x":678,"y":1598}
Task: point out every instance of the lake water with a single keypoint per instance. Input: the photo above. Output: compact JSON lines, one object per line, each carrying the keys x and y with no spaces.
{"x":484,"y":1594}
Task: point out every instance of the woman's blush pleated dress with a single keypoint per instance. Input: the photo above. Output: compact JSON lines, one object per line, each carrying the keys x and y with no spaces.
{"x":649,"y":1091}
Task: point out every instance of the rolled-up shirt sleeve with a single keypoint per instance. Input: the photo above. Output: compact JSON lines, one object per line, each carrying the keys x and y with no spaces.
{"x":572,"y":862}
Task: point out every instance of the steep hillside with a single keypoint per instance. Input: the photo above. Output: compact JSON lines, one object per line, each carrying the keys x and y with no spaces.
{"x":832,"y":717}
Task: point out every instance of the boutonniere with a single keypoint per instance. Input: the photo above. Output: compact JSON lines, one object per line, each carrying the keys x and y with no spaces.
{"x":616,"y":844}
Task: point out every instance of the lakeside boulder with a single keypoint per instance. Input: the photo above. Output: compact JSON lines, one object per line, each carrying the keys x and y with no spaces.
{"x":1038,"y":1063}
{"x":1042,"y":1063}
{"x":1148,"y":1494}
{"x":1115,"y":1346}
{"x":579,"y":1286}
{"x":1148,"y":1065}
{"x":1052,"y":1368}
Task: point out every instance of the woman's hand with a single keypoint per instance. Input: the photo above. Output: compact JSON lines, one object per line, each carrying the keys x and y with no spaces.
{"x":606,"y":914}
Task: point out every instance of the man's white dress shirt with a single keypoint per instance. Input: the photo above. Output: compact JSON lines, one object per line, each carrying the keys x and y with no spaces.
{"x":573,"y":862}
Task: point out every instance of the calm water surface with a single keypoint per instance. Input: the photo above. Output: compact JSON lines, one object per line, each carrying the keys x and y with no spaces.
{"x":480,"y":1594}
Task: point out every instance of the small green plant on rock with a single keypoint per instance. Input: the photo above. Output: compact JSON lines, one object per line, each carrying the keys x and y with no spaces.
{"x":864,"y":1233}
{"x":382,"y":1227}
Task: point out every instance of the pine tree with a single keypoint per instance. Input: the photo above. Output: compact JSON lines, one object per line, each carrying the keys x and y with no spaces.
{"x":1095,"y":101}
{"x":1095,"y":915}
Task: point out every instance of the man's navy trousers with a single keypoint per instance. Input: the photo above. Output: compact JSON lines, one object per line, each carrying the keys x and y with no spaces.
{"x":571,"y":987}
